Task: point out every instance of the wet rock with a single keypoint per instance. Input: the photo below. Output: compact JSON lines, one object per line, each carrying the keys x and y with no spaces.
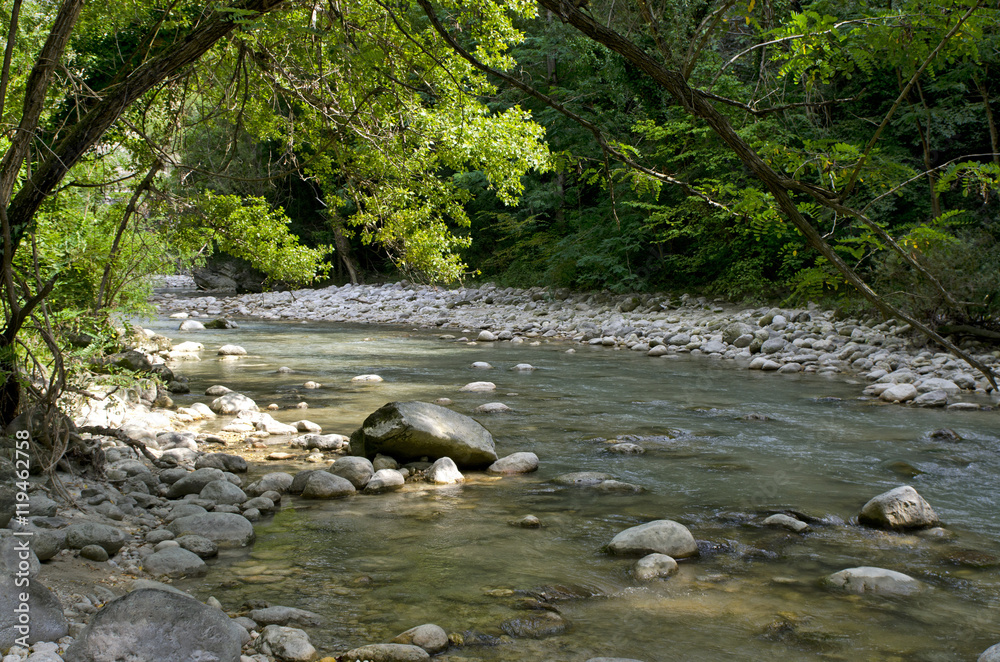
{"x":232,"y":350}
{"x":174,"y":562}
{"x":582,"y":478}
{"x":224,"y":529}
{"x":877,"y":581}
{"x":191,"y":325}
{"x":444,"y":472}
{"x":409,"y":431}
{"x":358,"y":470}
{"x":524,"y":367}
{"x":79,"y":536}
{"x":308,"y":426}
{"x":785,"y":522}
{"x":432,"y":638}
{"x":479,"y":387}
{"x":625,"y":449}
{"x":660,"y":536}
{"x":900,"y":508}
{"x":946,"y":434}
{"x":527,"y":522}
{"x":152,"y":624}
{"x":492,"y":408}
{"x":324,"y":485}
{"x":653,"y":566}
{"x":535,"y":626}
{"x":486,"y":336}
{"x":515,"y":463}
{"x":616,"y":487}
{"x":221,"y":324}
{"x":387,"y":653}
{"x":279,"y":615}
{"x":322,"y":442}
{"x":385,"y":480}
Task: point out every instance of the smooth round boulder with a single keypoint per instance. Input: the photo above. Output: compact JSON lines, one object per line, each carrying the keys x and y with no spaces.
{"x":388,"y":653}
{"x":409,"y":431}
{"x":432,"y":638}
{"x":223,"y":462}
{"x":324,"y":485}
{"x":358,"y":470}
{"x":224,"y":529}
{"x":174,"y":562}
{"x":366,"y":379}
{"x":79,"y":536}
{"x":898,"y":509}
{"x":276,"y":481}
{"x":385,"y":480}
{"x":444,"y":472}
{"x":653,"y":566}
{"x":94,"y":553}
{"x":899,"y":393}
{"x":783,"y":521}
{"x":285,"y":644}
{"x":232,"y":350}
{"x":152,"y":624}
{"x":660,"y":536}
{"x":199,"y":545}
{"x":194,"y":482}
{"x":223,"y":492}
{"x":233,"y":403}
{"x":991,"y":654}
{"x":515,"y":463}
{"x":478,"y":387}
{"x":877,"y":581}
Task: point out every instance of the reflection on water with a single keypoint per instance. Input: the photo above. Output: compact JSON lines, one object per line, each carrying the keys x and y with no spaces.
{"x":723,"y":448}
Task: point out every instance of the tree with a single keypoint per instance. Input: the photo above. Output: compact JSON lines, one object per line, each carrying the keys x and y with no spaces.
{"x":657,"y":59}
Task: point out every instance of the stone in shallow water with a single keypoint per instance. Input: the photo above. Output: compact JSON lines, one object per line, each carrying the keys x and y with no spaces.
{"x":432,"y":638}
{"x":900,"y":508}
{"x":535,"y":626}
{"x":444,"y":472}
{"x":492,"y":408}
{"x":358,"y":470}
{"x":385,"y":480}
{"x":991,"y":654}
{"x":515,"y":463}
{"x":286,"y":644}
{"x":324,"y":485}
{"x":785,"y":522}
{"x":478,"y":387}
{"x":660,"y":536}
{"x":879,"y":581}
{"x":653,"y":566}
{"x":387,"y":653}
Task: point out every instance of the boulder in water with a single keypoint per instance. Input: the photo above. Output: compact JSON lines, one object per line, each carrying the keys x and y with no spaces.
{"x":410,"y":431}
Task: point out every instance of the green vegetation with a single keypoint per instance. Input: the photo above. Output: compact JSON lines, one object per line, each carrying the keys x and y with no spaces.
{"x":754,"y":150}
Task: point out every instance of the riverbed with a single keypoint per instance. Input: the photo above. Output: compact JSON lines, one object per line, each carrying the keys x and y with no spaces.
{"x":723,"y":449}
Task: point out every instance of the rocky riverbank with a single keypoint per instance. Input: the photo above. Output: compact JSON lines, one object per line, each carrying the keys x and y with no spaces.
{"x":896,"y":362}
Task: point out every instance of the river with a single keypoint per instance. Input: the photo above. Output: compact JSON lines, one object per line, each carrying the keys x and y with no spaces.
{"x":724,"y":448}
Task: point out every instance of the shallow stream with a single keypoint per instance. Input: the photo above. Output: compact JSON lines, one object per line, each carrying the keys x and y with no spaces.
{"x":377,"y":565}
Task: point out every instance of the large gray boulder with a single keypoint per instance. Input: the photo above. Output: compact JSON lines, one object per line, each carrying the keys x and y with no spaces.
{"x":901,"y":508}
{"x":874,"y":580}
{"x":42,"y":606}
{"x":660,"y":536}
{"x":224,"y":492}
{"x":224,"y":529}
{"x":409,"y":431}
{"x":150,"y":624}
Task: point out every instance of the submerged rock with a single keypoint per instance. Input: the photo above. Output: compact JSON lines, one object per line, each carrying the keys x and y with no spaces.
{"x":536,"y":625}
{"x":409,"y":431}
{"x":652,"y":566}
{"x":874,"y":580}
{"x":387,"y":653}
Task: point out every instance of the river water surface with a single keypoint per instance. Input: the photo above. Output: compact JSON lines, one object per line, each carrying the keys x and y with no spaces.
{"x":374,"y":566}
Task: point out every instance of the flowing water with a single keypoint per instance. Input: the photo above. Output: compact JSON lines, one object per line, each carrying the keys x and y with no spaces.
{"x":377,"y":565}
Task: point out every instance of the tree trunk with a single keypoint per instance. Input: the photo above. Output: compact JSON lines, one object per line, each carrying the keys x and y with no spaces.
{"x":994,"y":140}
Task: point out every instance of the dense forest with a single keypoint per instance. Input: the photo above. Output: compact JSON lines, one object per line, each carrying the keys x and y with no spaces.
{"x":784,"y":151}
